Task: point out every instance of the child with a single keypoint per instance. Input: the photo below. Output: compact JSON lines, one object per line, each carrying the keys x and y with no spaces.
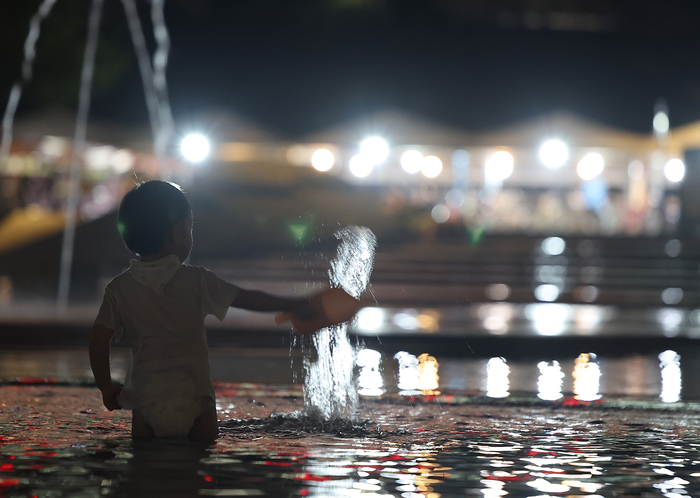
{"x":158,"y":307}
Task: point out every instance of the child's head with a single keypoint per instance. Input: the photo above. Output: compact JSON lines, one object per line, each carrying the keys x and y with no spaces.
{"x":149,"y":212}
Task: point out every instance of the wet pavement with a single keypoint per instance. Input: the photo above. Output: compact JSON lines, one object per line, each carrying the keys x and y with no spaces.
{"x":59,"y":441}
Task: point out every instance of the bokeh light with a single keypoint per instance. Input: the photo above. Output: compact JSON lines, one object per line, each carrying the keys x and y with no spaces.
{"x":673,"y":248}
{"x":440,"y":213}
{"x":431,"y":167}
{"x":411,"y":161}
{"x":590,"y":166}
{"x":322,"y":160}
{"x":375,"y":149}
{"x":361,"y":166}
{"x":500,"y":165}
{"x":553,"y":246}
{"x":674,"y":170}
{"x":195,"y":147}
{"x":661,"y":123}
{"x":554,"y":153}
{"x":370,"y":319}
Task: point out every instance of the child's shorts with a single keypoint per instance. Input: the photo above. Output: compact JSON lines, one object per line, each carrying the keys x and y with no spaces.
{"x":175,"y":417}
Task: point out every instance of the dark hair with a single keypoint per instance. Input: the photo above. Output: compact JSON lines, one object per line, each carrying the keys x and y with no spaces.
{"x":148,"y":211}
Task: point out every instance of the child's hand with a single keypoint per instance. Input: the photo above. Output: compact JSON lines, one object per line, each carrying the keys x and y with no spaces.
{"x":331,"y":307}
{"x":109,"y":397}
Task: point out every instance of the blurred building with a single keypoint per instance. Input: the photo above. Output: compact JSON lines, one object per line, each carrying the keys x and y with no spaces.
{"x":555,"y":174}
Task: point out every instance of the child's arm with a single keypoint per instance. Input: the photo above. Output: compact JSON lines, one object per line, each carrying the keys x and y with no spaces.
{"x":100,"y":338}
{"x":253,"y":300}
{"x":327,"y":308}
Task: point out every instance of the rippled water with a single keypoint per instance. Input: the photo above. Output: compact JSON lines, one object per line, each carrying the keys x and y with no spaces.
{"x":57,"y":441}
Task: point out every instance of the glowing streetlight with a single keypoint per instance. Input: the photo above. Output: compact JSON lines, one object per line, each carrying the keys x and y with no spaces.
{"x":674,"y":170}
{"x":431,"y":167}
{"x":500,"y":165}
{"x":411,"y":161}
{"x":590,"y":166}
{"x":361,"y":166}
{"x":661,"y":123}
{"x":374,"y":149}
{"x":322,"y":160}
{"x":195,"y":147}
{"x":554,"y":153}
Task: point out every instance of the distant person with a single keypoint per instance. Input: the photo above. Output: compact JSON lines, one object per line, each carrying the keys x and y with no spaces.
{"x":158,"y":306}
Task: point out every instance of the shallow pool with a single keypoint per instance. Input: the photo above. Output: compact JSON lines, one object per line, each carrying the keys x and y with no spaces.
{"x":59,"y":442}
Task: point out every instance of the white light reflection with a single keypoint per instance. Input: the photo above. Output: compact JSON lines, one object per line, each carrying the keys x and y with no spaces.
{"x":549,"y":319}
{"x":498,"y":292}
{"x":370,"y":319}
{"x":408,"y":374}
{"x":673,"y":248}
{"x":370,"y":380}
{"x":586,"y":377}
{"x":670,"y":363}
{"x":553,"y":246}
{"x":670,"y":319}
{"x":493,"y":488}
{"x":407,"y":319}
{"x":548,"y":487}
{"x":550,"y":381}
{"x":672,"y":295}
{"x":497,"y":383}
{"x":495,"y":317}
{"x":547,"y":292}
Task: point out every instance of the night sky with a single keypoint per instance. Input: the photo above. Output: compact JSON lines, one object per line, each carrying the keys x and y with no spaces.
{"x":297,"y":66}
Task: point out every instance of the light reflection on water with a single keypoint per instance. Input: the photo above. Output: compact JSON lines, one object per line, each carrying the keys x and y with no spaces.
{"x":446,"y":452}
{"x":663,"y":375}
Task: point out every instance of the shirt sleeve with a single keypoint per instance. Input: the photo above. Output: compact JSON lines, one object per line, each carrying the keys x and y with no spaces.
{"x":217,"y":294}
{"x":108,"y":316}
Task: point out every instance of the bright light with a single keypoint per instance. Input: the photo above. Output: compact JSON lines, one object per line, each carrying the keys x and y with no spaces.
{"x":553,"y":246}
{"x":361,"y":166}
{"x":590,"y":166}
{"x":431,"y":167}
{"x":195,"y":147}
{"x":547,"y":292}
{"x":375,"y":149}
{"x":500,"y":165}
{"x":322,"y":160}
{"x":674,"y":170}
{"x":670,"y":363}
{"x":661,"y":123}
{"x":370,"y":319}
{"x":554,"y":153}
{"x":411,"y":161}
{"x":440,"y":213}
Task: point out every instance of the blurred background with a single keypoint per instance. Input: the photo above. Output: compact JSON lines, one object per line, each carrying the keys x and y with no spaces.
{"x":530,"y":169}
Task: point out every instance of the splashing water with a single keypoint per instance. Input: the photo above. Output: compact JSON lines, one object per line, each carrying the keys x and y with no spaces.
{"x":27,"y":65}
{"x":329,"y":390}
{"x":153,"y":77}
{"x":71,"y":208}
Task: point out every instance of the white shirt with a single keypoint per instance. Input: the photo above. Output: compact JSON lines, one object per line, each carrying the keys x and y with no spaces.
{"x":158,"y":308}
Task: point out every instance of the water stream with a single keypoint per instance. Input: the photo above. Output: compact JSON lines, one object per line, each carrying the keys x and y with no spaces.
{"x":329,"y":389}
